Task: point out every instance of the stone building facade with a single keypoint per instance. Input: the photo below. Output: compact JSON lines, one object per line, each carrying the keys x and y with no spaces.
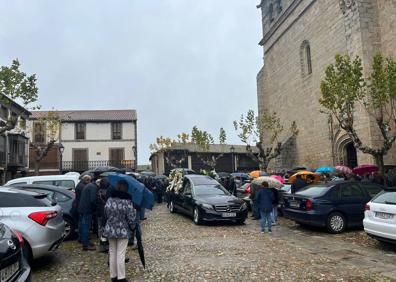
{"x":301,"y":38}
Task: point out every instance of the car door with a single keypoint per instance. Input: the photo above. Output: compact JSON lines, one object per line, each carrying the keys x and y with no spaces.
{"x":352,"y":200}
{"x":178,"y":198}
{"x":188,"y":202}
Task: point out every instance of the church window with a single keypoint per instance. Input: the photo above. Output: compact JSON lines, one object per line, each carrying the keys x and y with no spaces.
{"x":306,"y":61}
{"x":271,"y":12}
{"x":279,"y":6}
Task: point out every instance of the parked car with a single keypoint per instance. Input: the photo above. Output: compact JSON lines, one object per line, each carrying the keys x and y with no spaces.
{"x":243,"y":193}
{"x":63,"y":197}
{"x":380,"y":216}
{"x":285,"y":190}
{"x":13,"y":265}
{"x":69,"y":180}
{"x":205,"y":199}
{"x":334,"y":205}
{"x":39,"y":220}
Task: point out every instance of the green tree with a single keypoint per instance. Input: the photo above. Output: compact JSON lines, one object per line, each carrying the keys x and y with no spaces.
{"x":252,"y":130}
{"x":50,"y":125}
{"x":17,"y":86}
{"x":345,"y":86}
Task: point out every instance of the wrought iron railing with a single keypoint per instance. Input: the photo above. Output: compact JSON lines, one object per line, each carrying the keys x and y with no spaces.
{"x":81,"y":166}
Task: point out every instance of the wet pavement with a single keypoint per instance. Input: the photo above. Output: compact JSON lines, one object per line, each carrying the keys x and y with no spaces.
{"x":178,"y":250}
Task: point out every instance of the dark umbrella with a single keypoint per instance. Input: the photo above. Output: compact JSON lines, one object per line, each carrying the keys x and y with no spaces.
{"x":138,"y":234}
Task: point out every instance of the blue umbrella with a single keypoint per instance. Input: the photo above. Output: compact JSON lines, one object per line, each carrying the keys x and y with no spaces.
{"x":148,"y":199}
{"x":325,"y":169}
{"x":135,"y":188}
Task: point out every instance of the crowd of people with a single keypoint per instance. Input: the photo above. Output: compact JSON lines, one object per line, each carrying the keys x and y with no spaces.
{"x":109,"y":213}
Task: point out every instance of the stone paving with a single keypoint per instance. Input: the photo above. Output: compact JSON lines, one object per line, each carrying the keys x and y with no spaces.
{"x":177,"y":250}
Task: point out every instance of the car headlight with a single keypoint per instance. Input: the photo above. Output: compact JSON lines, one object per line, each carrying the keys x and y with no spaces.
{"x":243,"y":207}
{"x":207,"y":206}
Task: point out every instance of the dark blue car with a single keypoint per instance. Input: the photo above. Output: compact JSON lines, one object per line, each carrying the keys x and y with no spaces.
{"x":334,"y":205}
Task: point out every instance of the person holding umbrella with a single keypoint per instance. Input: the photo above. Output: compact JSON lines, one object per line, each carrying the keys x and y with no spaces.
{"x":121,"y":218}
{"x":264,"y":201}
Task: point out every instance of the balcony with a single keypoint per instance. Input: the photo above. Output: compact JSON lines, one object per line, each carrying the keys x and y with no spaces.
{"x":18,"y":146}
{"x":81,"y":166}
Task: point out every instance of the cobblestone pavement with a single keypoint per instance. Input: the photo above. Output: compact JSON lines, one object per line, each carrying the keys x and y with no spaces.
{"x":177,"y":250}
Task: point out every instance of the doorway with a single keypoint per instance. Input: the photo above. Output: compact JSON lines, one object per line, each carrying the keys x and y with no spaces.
{"x":350,"y":155}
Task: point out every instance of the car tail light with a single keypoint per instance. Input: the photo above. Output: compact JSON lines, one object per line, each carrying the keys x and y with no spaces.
{"x":247,"y":190}
{"x":309,"y":205}
{"x":42,"y":218}
{"x":367,"y":207}
{"x":20,"y":238}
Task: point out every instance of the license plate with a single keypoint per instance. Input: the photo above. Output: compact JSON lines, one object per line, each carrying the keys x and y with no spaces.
{"x":229,"y":214}
{"x":8,"y":272}
{"x":384,"y":215}
{"x":294,"y":204}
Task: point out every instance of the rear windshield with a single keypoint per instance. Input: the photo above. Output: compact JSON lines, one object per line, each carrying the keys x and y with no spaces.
{"x":12,"y":200}
{"x":386,"y":197}
{"x":312,"y":191}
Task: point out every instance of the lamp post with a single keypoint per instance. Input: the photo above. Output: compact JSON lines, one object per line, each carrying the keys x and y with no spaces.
{"x":61,"y":150}
{"x":134,"y":158}
{"x":232,"y":149}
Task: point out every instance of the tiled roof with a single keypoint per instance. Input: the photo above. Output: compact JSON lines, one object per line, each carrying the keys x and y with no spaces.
{"x":90,"y":115}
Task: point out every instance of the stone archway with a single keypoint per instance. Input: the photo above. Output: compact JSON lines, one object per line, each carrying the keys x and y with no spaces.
{"x":345,"y":151}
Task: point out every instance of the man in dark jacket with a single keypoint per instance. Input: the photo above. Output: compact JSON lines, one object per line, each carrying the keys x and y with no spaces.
{"x":264,"y":201}
{"x":86,"y":179}
{"x":86,"y":209}
{"x":298,"y":184}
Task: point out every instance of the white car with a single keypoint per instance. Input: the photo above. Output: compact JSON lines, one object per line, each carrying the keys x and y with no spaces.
{"x":380,"y":216}
{"x":66,"y":180}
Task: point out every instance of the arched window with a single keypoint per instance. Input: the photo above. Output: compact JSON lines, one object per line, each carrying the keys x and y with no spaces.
{"x":271,"y":12}
{"x":306,"y":62}
{"x":279,"y":6}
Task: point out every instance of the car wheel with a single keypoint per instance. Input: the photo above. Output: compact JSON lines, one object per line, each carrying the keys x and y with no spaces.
{"x":336,"y":223}
{"x":197,"y":216}
{"x":172,"y":208}
{"x":69,"y":228}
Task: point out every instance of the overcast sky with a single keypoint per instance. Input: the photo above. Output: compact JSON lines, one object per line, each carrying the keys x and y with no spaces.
{"x":179,"y":63}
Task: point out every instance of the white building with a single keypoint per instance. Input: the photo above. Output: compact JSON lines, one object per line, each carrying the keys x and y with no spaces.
{"x":91,"y":139}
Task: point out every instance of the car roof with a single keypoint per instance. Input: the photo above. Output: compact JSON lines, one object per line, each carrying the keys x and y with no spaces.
{"x":44,"y":177}
{"x":201,"y":179}
{"x":59,"y":189}
{"x":12,"y":190}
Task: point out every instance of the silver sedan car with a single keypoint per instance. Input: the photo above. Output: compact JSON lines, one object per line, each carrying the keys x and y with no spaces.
{"x":38,"y":220}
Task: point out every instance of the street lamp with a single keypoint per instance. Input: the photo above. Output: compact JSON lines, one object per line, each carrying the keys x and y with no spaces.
{"x":135,"y":158}
{"x":232,"y":149}
{"x":61,"y":150}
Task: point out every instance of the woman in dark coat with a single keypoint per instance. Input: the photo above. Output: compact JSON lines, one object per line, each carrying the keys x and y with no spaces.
{"x":120,"y":216}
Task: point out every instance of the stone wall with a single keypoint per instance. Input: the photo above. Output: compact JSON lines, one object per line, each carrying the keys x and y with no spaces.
{"x":284,"y":85}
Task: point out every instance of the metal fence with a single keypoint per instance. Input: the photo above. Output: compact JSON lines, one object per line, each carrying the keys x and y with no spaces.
{"x":80,"y":166}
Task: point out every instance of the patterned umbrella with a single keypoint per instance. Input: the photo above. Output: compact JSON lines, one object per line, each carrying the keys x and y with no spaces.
{"x":363,"y":169}
{"x":279,"y":178}
{"x":272,"y":182}
{"x":304,"y":174}
{"x":343,"y":169}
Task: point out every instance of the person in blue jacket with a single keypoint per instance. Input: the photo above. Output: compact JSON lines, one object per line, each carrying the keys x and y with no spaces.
{"x":264,"y":201}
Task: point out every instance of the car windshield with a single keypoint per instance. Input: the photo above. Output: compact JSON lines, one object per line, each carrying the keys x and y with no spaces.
{"x":386,"y":197}
{"x":313,"y":191}
{"x":212,"y":189}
